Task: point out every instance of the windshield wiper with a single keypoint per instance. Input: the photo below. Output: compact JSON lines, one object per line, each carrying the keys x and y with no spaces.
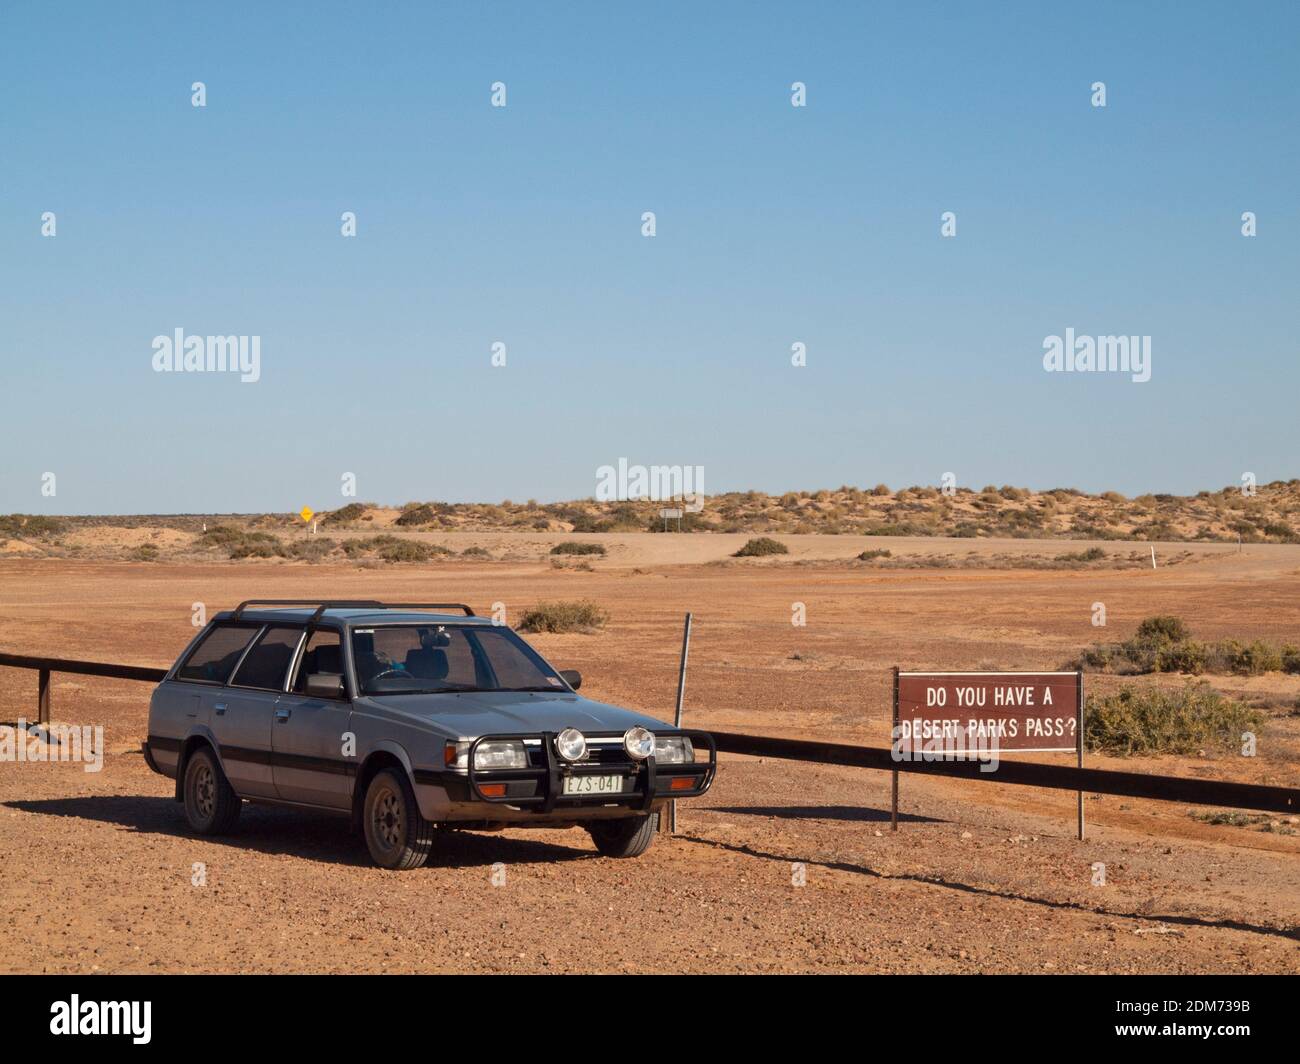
{"x":547,"y":687}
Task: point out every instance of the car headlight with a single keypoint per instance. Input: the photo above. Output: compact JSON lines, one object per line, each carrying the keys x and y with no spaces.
{"x":496,"y":753}
{"x":571,"y":744}
{"x":639,"y":743}
{"x":674,"y":750}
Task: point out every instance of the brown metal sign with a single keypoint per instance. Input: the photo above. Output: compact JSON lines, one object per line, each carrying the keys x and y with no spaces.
{"x":1002,"y":712}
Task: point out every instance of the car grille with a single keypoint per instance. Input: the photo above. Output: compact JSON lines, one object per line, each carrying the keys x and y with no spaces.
{"x":596,"y":755}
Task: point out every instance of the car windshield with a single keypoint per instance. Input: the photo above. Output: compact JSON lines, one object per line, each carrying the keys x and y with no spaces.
{"x":431,"y":658}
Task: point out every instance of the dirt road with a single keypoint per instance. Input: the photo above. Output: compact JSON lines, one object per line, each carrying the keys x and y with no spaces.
{"x":782,"y":867}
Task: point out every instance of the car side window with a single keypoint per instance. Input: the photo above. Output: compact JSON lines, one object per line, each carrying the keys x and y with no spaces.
{"x":323,"y":654}
{"x":216,"y":655}
{"x":268,"y":662}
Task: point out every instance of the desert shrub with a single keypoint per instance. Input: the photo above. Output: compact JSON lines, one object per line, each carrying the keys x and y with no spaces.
{"x":581,"y":616}
{"x":408,"y":550}
{"x":1150,"y":721}
{"x":1227,"y":818}
{"x":351,"y":512}
{"x":312,"y":549}
{"x":880,"y":489}
{"x":1163,"y":628}
{"x":417,"y":515}
{"x":1097,"y":657}
{"x":588,"y":523}
{"x":571,"y":546}
{"x":475,"y":552}
{"x":1250,"y":659}
{"x":1142,"y":653}
{"x":31,"y":525}
{"x":146,"y":552}
{"x":221,"y":536}
{"x":1290,"y":659}
{"x":762,"y":545}
{"x":241,"y":543}
{"x":1092,"y":554}
{"x":40,"y":525}
{"x":391,"y":548}
{"x":868,"y":555}
{"x":904,"y":528}
{"x":1187,"y":656}
{"x":256,"y":545}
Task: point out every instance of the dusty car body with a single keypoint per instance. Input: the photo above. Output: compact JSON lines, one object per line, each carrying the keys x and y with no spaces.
{"x":407,"y":718}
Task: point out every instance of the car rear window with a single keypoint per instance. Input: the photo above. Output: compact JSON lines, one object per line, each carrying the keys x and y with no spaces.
{"x":216,"y":655}
{"x":268,"y":661}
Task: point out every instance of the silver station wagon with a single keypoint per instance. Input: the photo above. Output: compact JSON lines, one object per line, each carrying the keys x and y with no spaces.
{"x":408,"y":718}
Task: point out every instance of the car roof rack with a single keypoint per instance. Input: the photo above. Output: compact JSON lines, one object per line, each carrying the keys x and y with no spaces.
{"x":343,"y":604}
{"x":469,"y":610}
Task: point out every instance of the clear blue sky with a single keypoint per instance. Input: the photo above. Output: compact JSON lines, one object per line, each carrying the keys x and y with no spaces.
{"x":522,"y":224}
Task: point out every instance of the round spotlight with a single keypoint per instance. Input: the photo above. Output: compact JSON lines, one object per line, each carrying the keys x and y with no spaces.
{"x":639,"y":743}
{"x":571,"y":744}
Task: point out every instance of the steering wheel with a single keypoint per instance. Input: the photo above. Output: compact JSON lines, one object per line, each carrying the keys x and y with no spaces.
{"x":389,"y":672}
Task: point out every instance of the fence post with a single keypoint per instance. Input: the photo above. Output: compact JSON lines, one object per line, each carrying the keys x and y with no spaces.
{"x":43,"y":697}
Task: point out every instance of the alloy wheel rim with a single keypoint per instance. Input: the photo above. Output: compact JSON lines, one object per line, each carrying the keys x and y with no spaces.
{"x":204,"y":791}
{"x":387,"y":819}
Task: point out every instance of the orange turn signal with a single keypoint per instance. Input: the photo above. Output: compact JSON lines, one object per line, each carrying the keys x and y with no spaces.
{"x":682,"y":783}
{"x":493,"y":790}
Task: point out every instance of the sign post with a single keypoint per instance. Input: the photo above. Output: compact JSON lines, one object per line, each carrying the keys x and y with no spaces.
{"x":1079,"y":736}
{"x":979,"y":716}
{"x":668,"y":825}
{"x":893,"y":741}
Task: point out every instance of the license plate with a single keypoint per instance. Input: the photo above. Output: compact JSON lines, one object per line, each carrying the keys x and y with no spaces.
{"x":593,"y":784}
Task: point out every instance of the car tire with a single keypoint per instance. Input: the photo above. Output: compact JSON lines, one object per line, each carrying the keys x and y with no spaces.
{"x":397,"y":836}
{"x":625,"y":837}
{"x":211,"y":804}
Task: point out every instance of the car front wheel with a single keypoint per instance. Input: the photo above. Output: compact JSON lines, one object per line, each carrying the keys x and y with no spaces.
{"x":211,"y":805}
{"x":397,"y":836}
{"x":625,"y":837}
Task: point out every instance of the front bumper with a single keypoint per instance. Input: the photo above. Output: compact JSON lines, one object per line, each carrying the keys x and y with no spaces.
{"x":539,"y":789}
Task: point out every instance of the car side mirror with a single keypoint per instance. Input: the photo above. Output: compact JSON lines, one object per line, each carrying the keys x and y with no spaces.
{"x":324,"y":685}
{"x":572,"y":677}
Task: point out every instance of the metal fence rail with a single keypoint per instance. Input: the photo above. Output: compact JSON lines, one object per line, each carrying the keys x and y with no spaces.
{"x":45,"y":666}
{"x":1023,"y":773}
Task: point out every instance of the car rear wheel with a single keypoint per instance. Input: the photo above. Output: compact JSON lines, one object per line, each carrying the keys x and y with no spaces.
{"x":211,"y":804}
{"x":397,"y":835}
{"x":625,"y":837}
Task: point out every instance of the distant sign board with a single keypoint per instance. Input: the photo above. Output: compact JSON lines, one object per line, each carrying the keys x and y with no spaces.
{"x":1004,"y":711}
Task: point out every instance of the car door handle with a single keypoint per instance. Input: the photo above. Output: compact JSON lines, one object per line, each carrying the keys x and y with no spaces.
{"x":283,"y":714}
{"x":220,"y":707}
